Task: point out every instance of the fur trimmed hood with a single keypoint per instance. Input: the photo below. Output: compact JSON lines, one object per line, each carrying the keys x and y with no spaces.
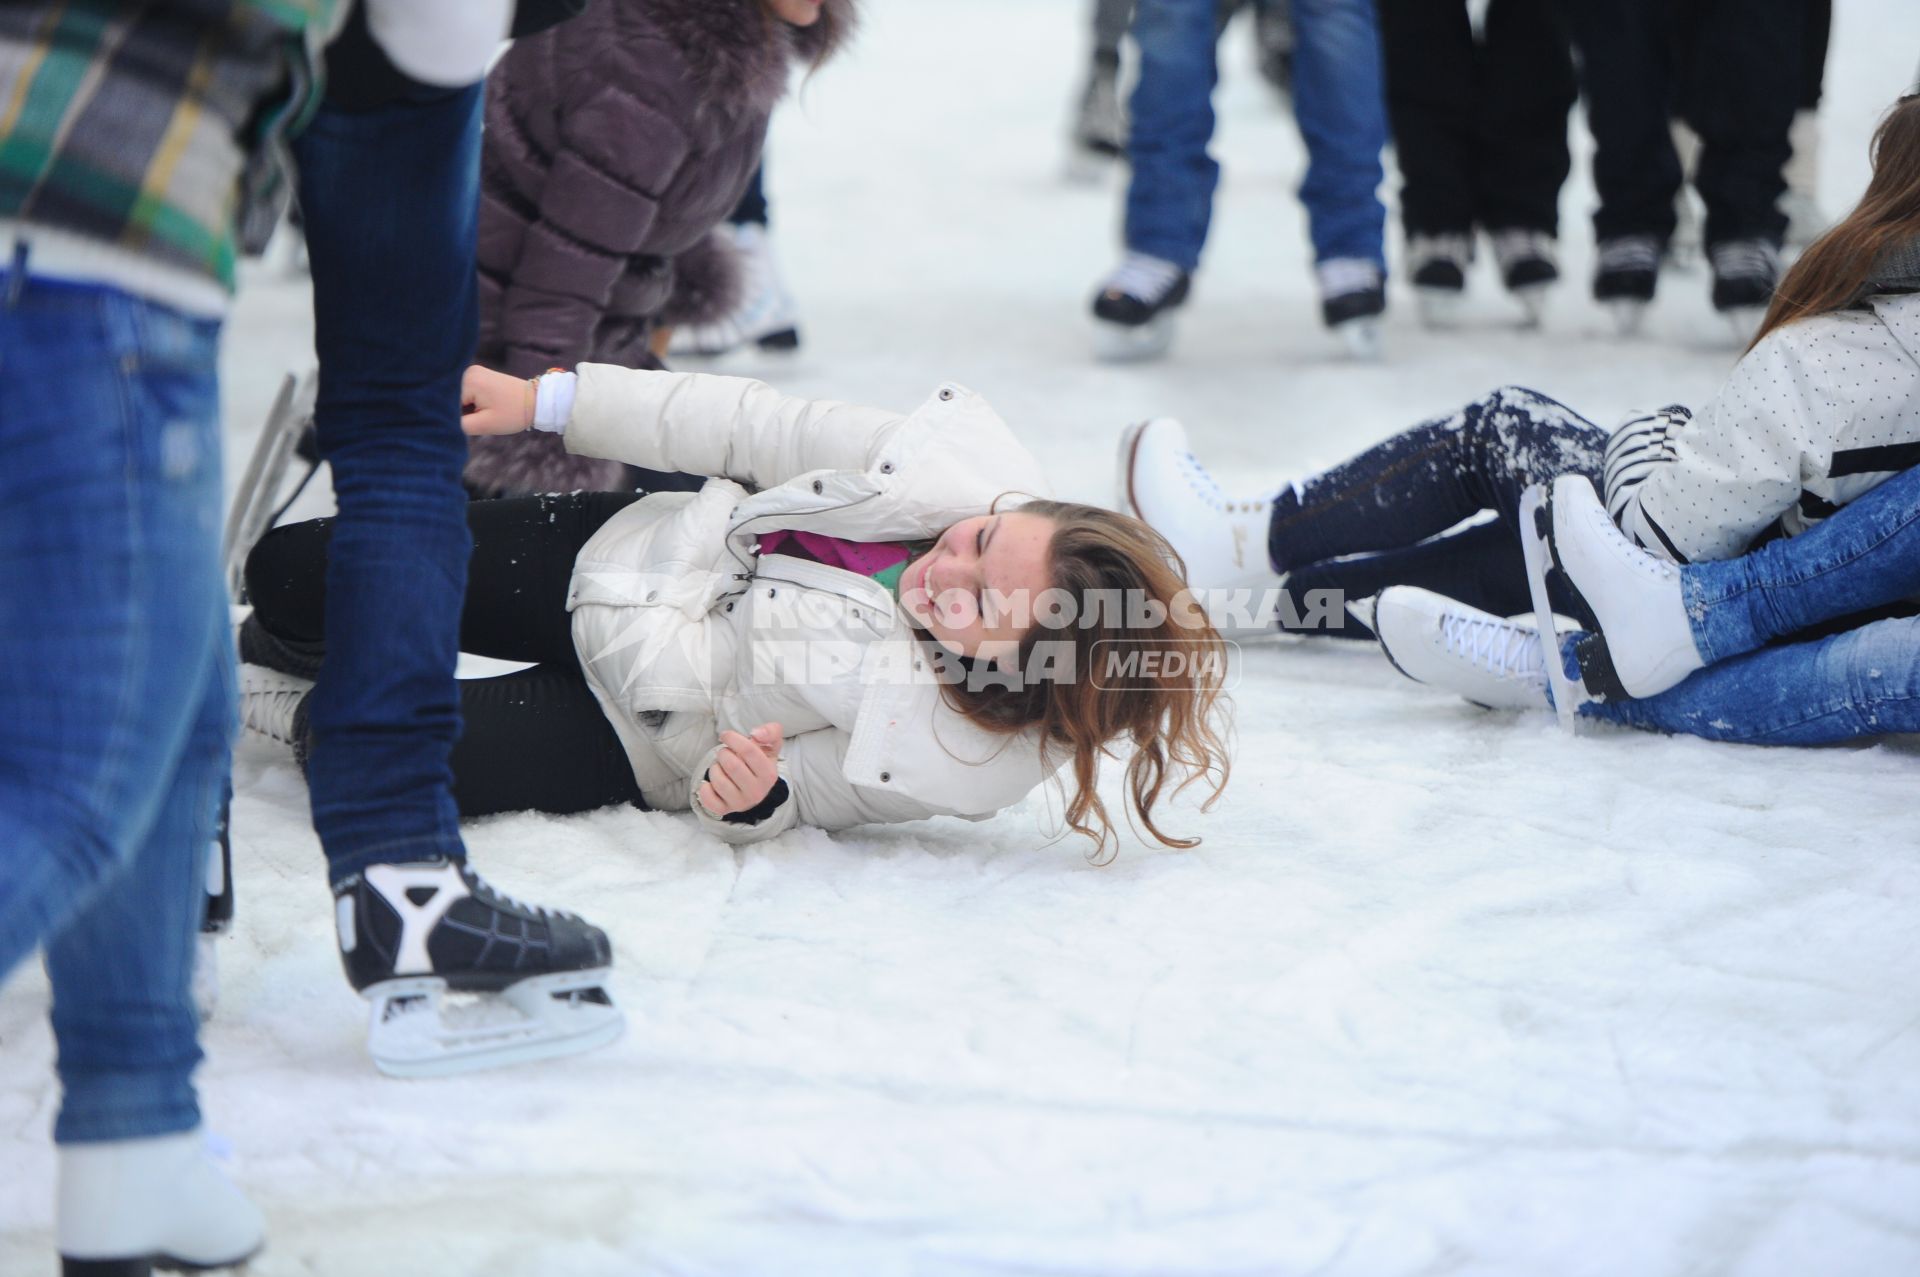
{"x":725,"y":45}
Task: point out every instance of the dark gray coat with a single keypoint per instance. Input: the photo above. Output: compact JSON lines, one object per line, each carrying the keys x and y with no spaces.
{"x":614,"y":143}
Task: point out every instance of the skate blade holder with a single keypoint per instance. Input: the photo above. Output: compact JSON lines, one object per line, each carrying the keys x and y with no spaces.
{"x":417,"y":1027}
{"x":1536,"y":543}
{"x":1362,"y":338}
{"x":1132,"y":343}
{"x":1629,"y":315}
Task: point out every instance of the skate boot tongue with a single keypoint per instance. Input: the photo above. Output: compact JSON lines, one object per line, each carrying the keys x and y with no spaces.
{"x":462,"y":976}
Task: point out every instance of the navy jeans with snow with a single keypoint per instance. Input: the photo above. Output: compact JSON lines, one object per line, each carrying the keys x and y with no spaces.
{"x":116,"y":685}
{"x":1863,"y":681}
{"x":1338,"y":100}
{"x":391,"y":204}
{"x":1392,"y":515}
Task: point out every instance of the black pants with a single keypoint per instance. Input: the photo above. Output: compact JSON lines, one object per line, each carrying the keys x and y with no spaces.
{"x":1390,"y":516}
{"x":1732,"y":69}
{"x":534,"y":739}
{"x":1480,"y":129}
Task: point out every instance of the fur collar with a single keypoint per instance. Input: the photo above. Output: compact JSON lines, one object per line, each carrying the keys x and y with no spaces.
{"x":740,"y":53}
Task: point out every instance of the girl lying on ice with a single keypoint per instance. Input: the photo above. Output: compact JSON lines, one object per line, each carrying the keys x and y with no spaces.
{"x":864,"y":617}
{"x":1823,"y":408}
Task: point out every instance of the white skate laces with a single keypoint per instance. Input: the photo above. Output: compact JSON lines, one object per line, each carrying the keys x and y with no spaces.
{"x":1142,"y":276}
{"x":270,"y":702}
{"x":1499,"y":647}
{"x":1516,"y":245}
{"x":1629,"y":253}
{"x":1746,"y":259}
{"x":1342,"y":276}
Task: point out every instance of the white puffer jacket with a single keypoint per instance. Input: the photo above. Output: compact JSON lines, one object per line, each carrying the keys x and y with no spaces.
{"x":685,"y":630}
{"x":1822,"y":410}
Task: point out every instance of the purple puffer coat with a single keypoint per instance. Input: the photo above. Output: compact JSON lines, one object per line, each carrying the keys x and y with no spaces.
{"x":614,"y":144}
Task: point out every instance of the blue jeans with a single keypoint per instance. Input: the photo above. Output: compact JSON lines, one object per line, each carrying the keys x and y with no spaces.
{"x":1338,"y":100}
{"x":1864,"y":681}
{"x":391,"y":204}
{"x":116,"y":685}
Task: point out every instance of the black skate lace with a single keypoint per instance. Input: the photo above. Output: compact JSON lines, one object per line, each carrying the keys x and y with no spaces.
{"x":491,"y":894}
{"x":1746,"y":259}
{"x":1630,"y":252}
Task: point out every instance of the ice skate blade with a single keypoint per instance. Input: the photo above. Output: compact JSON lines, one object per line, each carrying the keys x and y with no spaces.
{"x":1628,"y":316}
{"x":411,"y":1032}
{"x":1085,"y":166}
{"x":1440,"y":308}
{"x":147,"y":1265}
{"x":1536,"y":544}
{"x":1362,"y":339}
{"x":1132,"y":344}
{"x":1533,"y":301}
{"x":1744,"y":321}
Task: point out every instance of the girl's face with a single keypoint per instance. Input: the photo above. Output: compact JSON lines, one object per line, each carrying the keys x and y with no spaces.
{"x":798,"y":13}
{"x":977,"y":590}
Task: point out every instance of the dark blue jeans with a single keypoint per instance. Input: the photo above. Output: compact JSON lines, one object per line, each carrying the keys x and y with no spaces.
{"x":1388,"y":516}
{"x":1864,"y":681}
{"x":1338,"y":100}
{"x":391,"y":199}
{"x":116,"y":685}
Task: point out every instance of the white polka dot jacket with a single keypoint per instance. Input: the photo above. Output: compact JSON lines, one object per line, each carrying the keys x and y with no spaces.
{"x":1818,"y":413}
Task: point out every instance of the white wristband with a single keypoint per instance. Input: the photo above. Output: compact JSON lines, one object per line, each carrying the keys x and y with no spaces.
{"x":553,"y":401}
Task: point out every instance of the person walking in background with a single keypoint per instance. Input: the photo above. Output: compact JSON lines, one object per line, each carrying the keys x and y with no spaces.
{"x":613,"y":145}
{"x":1339,"y":105}
{"x":1479,"y":113}
{"x":1732,"y":69}
{"x":116,"y":669}
{"x":389,"y":176}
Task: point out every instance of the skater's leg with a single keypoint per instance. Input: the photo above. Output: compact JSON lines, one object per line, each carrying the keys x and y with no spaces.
{"x":1625,"y":50}
{"x":390,"y":197}
{"x":1425,"y":480}
{"x":1864,"y":557}
{"x":1523,"y":91}
{"x":1429,"y":55}
{"x":1110,"y":21}
{"x":112,"y":611}
{"x":1339,"y":102}
{"x":1170,"y":192}
{"x":1480,"y":566}
{"x":1745,"y":72}
{"x":1865,"y":682}
{"x":537,"y":740}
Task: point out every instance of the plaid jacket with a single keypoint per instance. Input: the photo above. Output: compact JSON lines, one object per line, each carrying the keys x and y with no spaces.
{"x":155,"y":127}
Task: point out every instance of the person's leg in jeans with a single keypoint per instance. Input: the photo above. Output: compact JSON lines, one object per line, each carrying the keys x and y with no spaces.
{"x":1525,"y":88}
{"x":1429,"y":54}
{"x":1625,"y":51}
{"x":1743,"y":79}
{"x":1339,"y":101}
{"x":390,"y":197}
{"x":1864,"y":682}
{"x":115,"y":714}
{"x":1170,"y":192}
{"x":1424,"y":480}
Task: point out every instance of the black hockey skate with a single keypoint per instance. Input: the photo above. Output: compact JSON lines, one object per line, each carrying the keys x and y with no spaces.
{"x":1745,"y":273}
{"x":1529,"y":267}
{"x":1437,"y":265}
{"x":410,"y":934}
{"x":1624,"y":279}
{"x":1353,"y":296}
{"x":1135,"y":306}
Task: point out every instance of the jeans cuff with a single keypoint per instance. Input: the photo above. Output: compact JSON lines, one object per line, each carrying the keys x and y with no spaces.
{"x":101,"y":1106}
{"x":343,"y":865}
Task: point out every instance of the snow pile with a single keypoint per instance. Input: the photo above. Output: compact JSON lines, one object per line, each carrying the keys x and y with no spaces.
{"x":1442,"y":991}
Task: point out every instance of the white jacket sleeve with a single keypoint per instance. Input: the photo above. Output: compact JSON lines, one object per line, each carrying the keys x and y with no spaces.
{"x":1705,"y":487}
{"x":442,"y":42}
{"x":781,"y":820}
{"x":818,"y":794}
{"x":731,"y":427}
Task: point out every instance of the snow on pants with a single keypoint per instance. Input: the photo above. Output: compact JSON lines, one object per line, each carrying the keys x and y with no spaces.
{"x":1393,"y":514}
{"x":534,"y":739}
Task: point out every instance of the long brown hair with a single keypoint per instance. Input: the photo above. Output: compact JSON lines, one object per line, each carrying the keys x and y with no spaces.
{"x":1835,"y":267}
{"x":1127,"y":588}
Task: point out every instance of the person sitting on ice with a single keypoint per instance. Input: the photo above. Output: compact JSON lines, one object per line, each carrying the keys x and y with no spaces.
{"x":865,"y":617}
{"x":1821,"y":409}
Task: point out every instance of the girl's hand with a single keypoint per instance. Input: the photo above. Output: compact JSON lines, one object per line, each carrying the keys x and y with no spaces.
{"x":494,"y":403}
{"x":744,"y":772}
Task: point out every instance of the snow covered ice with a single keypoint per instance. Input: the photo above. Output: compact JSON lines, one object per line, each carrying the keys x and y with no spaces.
{"x":1442,"y":992}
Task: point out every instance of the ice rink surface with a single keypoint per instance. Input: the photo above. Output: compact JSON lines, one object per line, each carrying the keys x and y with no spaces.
{"x":1442,"y":991}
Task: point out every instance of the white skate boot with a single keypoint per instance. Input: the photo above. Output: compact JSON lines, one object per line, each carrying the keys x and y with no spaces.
{"x":1484,"y":658}
{"x":1635,"y":597}
{"x":766,"y":315}
{"x":1223,"y":542}
{"x":127,"y":1207}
